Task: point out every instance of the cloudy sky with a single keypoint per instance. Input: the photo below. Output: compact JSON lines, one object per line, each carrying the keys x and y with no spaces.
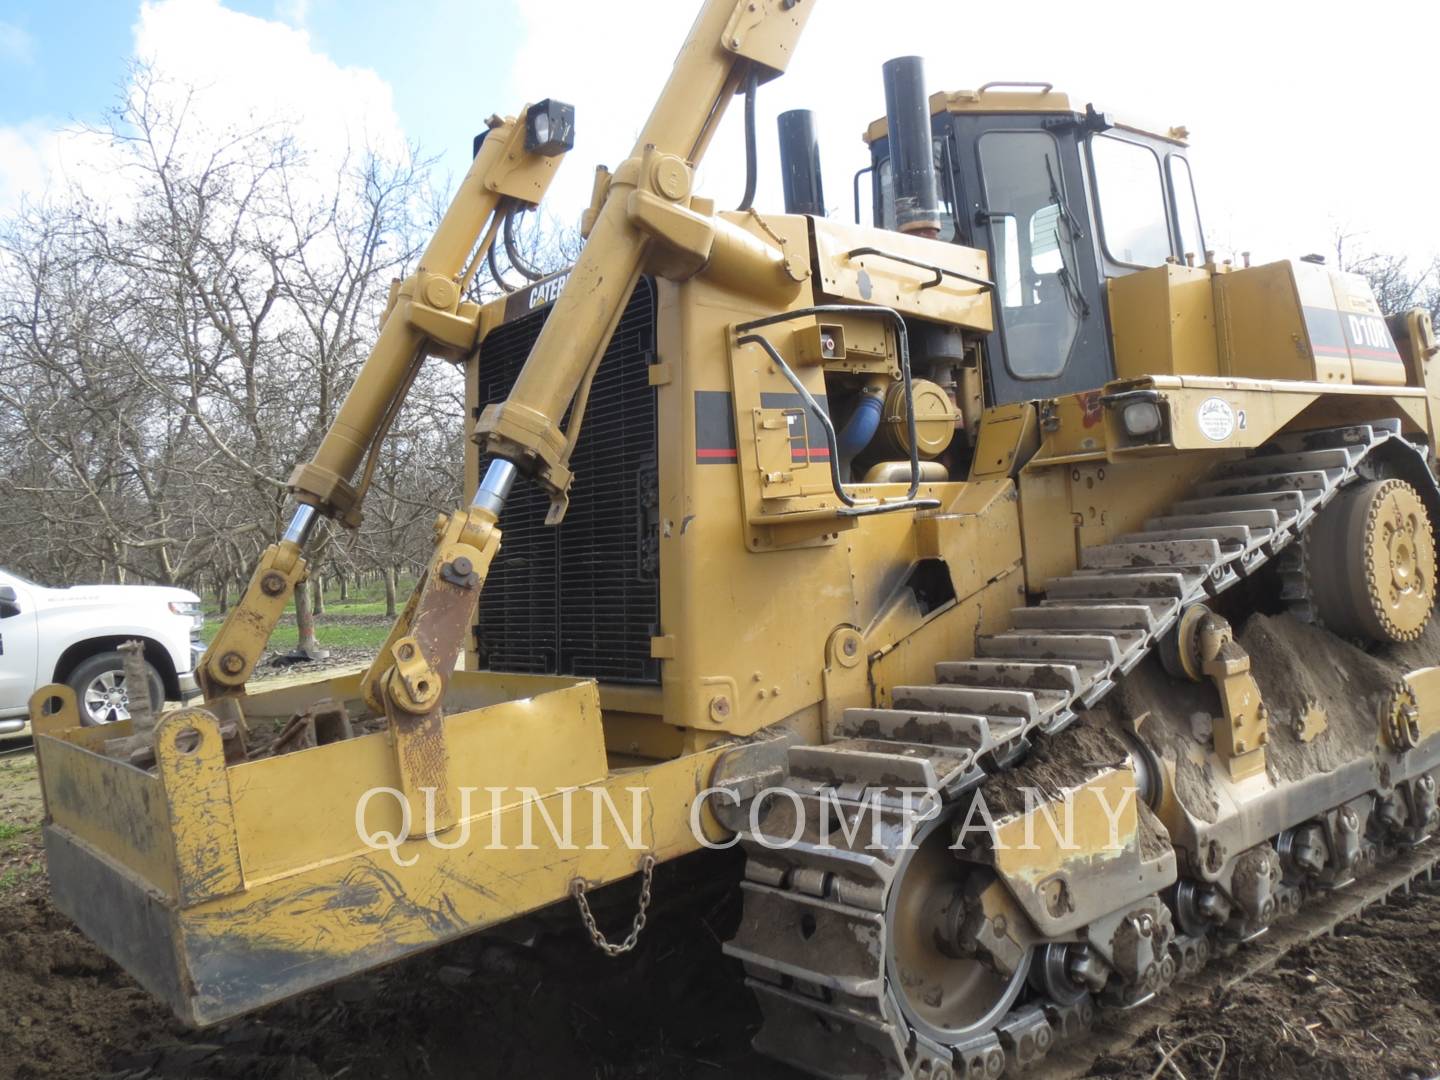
{"x":1304,"y":117}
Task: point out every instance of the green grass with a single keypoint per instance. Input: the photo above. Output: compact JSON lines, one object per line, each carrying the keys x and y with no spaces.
{"x":367,"y":603}
{"x":20,"y":874}
{"x":341,"y":635}
{"x":9,"y":830}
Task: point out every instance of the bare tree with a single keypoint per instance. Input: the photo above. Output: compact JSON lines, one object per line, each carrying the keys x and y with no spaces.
{"x":1398,"y":283}
{"x":167,"y":356}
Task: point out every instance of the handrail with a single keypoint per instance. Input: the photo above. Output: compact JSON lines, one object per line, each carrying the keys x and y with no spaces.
{"x":940,"y":272}
{"x":1043,"y":87}
{"x":852,"y":508}
{"x":856,"y":185}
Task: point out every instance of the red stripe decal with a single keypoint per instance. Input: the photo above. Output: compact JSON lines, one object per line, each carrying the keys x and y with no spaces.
{"x":1361,"y":352}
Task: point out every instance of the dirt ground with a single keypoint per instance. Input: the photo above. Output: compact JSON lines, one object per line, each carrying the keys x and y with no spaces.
{"x":1363,"y":1003}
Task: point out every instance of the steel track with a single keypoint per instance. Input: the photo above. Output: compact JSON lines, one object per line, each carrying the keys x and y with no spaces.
{"x":824,"y":990}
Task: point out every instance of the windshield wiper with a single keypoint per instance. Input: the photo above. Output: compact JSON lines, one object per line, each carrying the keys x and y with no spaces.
{"x":1073,"y":294}
{"x":1078,"y":304}
{"x":1072,"y":224}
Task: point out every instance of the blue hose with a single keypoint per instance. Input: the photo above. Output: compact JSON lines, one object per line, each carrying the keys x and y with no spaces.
{"x":861,"y":427}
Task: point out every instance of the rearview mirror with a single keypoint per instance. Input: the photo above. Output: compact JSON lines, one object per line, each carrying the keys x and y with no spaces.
{"x":9,"y":603}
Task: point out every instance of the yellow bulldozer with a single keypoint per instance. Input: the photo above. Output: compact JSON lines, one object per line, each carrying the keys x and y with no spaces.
{"x":1040,"y":603}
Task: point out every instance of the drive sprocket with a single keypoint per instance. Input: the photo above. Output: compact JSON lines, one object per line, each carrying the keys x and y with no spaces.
{"x":1371,"y":562}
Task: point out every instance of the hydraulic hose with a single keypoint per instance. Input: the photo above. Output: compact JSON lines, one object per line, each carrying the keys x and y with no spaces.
{"x":495,"y":274}
{"x":752,"y":167}
{"x":861,"y":427}
{"x":512,"y":250}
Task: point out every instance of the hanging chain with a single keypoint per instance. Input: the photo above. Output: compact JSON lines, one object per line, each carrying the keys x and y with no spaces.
{"x":577,"y":890}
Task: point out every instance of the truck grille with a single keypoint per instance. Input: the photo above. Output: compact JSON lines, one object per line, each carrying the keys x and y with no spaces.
{"x":582,"y":598}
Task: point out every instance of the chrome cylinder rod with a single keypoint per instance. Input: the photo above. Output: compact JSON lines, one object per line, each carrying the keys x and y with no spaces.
{"x":301,"y":524}
{"x":495,"y":488}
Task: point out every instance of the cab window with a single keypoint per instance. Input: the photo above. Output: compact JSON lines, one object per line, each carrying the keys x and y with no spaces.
{"x":944,"y":178}
{"x":885,"y":181}
{"x":1034,"y":235}
{"x":1187,"y":208}
{"x":1132,"y":201}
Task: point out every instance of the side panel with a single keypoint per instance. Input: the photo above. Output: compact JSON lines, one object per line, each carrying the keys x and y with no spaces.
{"x":1164,"y":320}
{"x":1294,"y":320}
{"x":1262,"y":328}
{"x":747,"y":623}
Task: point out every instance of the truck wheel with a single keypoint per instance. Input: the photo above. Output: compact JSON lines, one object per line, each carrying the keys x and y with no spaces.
{"x":100,"y":690}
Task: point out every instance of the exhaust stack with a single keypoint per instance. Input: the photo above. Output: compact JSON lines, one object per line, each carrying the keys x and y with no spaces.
{"x":912,"y":157}
{"x":800,"y":164}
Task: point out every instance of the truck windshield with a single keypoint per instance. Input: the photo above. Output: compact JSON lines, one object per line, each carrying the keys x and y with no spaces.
{"x":1034,"y":239}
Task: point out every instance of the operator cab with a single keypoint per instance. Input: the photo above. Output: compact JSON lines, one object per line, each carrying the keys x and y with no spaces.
{"x":1062,"y":199}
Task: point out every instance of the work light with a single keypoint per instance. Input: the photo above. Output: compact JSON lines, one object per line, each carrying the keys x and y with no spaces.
{"x":550,"y":128}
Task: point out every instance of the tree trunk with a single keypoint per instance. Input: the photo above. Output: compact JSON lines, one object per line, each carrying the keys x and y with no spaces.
{"x":344,"y":587}
{"x":390,"y":592}
{"x":319,"y":594}
{"x":222,"y":593}
{"x":305,"y":621}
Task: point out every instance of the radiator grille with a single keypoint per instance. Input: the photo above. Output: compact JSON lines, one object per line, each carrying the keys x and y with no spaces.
{"x":582,"y":598}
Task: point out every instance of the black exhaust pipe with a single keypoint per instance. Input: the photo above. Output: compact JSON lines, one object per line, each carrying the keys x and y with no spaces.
{"x":800,"y":164}
{"x":912,"y":156}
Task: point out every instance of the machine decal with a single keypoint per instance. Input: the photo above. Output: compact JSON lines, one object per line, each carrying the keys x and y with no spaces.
{"x":1216,"y":419}
{"x":1340,"y":333}
{"x":715,"y":427}
{"x":541,"y":294}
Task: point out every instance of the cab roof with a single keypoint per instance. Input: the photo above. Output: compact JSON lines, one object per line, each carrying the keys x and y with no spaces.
{"x":1023,"y":97}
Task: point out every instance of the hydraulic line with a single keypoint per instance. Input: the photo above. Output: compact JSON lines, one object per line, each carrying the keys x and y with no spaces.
{"x":495,"y":274}
{"x":512,"y":250}
{"x":752,"y":168}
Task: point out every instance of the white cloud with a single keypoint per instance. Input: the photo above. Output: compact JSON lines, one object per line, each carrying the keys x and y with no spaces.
{"x":22,"y":161}
{"x":231,"y":72}
{"x":295,"y":12}
{"x":247,"y":71}
{"x":1298,"y":123}
{"x":16,"y":46}
{"x":38,"y":155}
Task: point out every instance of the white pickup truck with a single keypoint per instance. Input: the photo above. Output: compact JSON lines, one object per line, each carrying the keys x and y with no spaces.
{"x":71,"y":636}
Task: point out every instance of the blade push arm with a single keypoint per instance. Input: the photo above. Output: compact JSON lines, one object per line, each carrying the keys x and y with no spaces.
{"x":427,"y":316}
{"x":643,"y":217}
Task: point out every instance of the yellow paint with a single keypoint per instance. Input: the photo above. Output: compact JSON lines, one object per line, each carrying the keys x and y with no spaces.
{"x":1163,"y":322}
{"x":1023,"y":98}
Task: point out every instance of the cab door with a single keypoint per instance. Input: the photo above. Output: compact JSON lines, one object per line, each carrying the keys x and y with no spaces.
{"x":19,"y":645}
{"x":1024,"y":196}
